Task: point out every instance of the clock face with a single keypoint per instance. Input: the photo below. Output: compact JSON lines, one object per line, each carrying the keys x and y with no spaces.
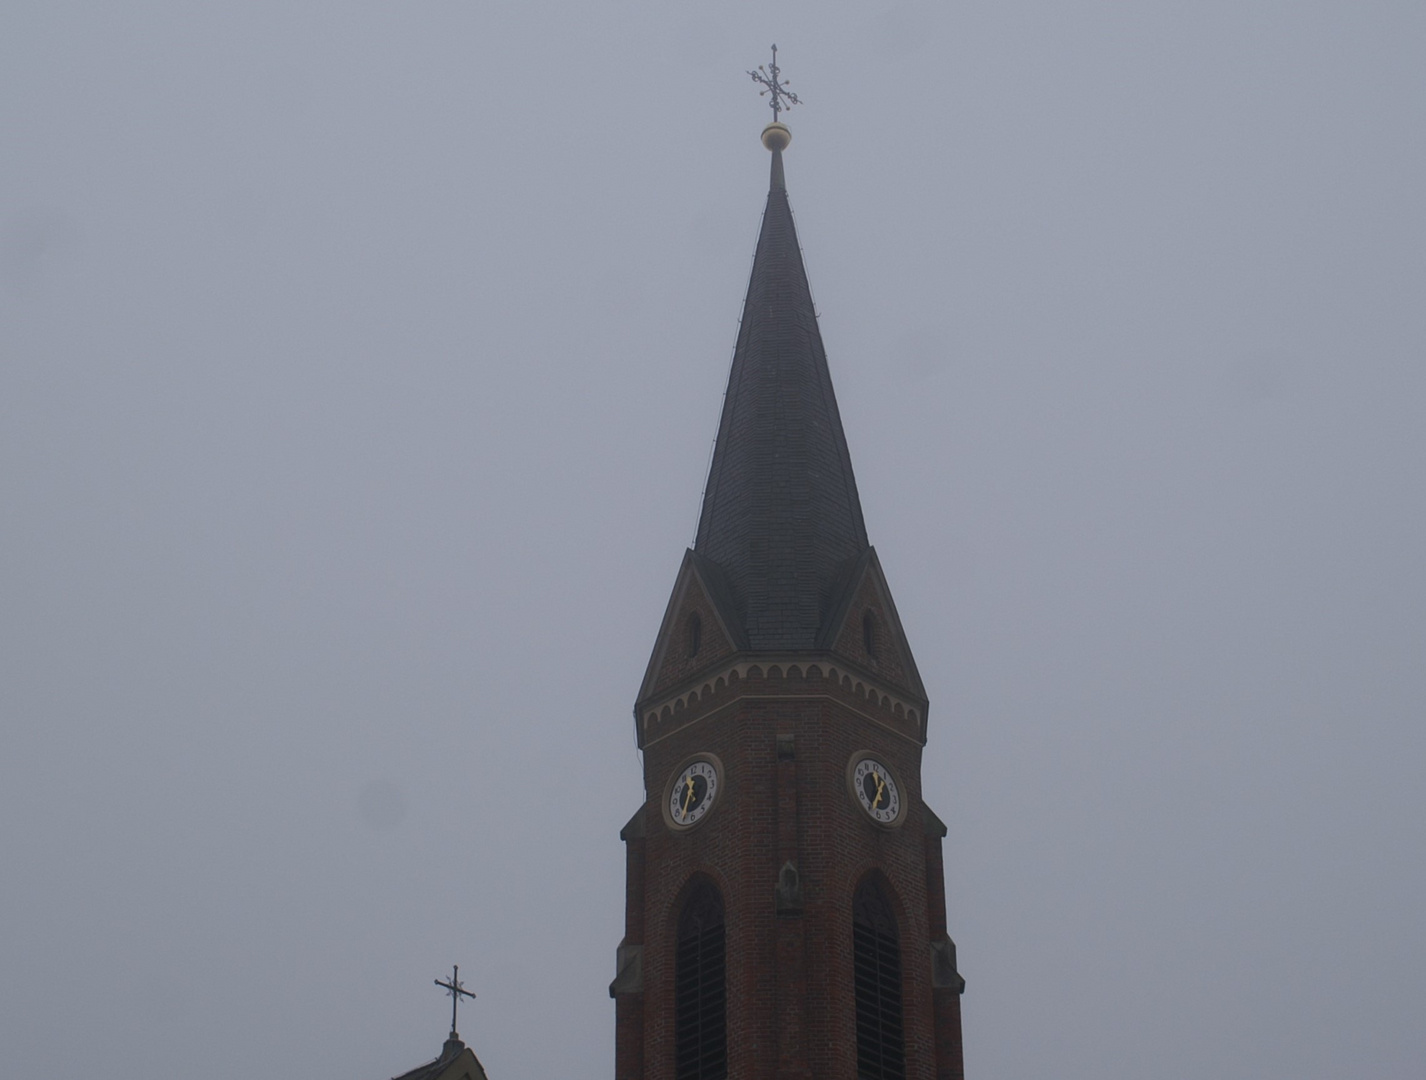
{"x":876,"y":790}
{"x":693,"y":793}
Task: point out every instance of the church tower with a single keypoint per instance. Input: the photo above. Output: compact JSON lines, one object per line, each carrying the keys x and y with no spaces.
{"x":785,"y":912}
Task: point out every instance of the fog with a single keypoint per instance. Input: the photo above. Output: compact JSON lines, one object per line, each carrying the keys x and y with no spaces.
{"x":359,"y":367}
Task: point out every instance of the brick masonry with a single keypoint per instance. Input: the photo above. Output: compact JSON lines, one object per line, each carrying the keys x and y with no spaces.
{"x":791,"y":1009}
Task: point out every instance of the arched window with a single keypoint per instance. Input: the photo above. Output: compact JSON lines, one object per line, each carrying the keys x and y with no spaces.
{"x":869,"y":634}
{"x":876,"y":948}
{"x":695,"y":634}
{"x":700,"y":992}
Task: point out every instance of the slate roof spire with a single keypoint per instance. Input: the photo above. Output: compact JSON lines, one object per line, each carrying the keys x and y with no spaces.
{"x":781,"y":518}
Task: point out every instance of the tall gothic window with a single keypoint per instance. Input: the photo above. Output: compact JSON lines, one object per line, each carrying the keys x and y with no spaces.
{"x":695,"y":634}
{"x":869,"y":634}
{"x":876,"y":949}
{"x":700,"y":992}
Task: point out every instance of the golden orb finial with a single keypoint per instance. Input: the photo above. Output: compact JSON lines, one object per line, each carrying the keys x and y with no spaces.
{"x":776,"y":136}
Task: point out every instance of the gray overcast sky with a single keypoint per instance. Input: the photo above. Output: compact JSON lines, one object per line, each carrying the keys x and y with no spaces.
{"x":360,"y":364}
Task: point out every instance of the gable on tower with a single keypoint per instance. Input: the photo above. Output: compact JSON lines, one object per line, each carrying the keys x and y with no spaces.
{"x":699,"y":626}
{"x":864,"y":627}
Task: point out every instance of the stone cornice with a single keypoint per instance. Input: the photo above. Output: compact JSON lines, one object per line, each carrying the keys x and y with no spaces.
{"x":794,"y":675}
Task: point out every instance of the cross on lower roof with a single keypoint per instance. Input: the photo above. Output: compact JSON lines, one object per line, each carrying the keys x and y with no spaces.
{"x":455,"y":991}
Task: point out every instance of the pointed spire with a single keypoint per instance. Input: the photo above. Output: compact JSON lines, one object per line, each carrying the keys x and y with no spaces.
{"x":781,"y":516}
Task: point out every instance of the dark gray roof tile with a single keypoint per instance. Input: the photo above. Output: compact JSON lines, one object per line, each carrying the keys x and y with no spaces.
{"x":781,"y":516}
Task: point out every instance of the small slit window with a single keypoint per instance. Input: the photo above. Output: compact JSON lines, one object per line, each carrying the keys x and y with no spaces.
{"x":876,"y":950}
{"x":869,"y":634}
{"x":695,"y":634}
{"x":700,"y":991}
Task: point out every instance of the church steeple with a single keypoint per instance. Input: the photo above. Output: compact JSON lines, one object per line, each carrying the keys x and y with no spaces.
{"x":781,"y":517}
{"x":785,"y":901}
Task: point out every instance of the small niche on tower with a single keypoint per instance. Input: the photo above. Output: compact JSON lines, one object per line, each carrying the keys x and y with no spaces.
{"x":869,"y":634}
{"x":694,"y":634}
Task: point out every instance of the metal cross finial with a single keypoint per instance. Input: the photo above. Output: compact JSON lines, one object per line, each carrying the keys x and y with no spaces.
{"x":782,"y":98}
{"x":455,"y":991}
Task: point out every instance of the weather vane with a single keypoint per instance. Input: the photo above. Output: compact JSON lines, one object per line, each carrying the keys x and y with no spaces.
{"x":455,"y":991}
{"x":782,"y":98}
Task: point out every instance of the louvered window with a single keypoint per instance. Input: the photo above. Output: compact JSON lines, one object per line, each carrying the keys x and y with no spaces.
{"x":700,"y":992}
{"x":881,"y":1053}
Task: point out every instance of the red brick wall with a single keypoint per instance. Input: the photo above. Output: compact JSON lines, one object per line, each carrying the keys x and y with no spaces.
{"x":783,"y":965}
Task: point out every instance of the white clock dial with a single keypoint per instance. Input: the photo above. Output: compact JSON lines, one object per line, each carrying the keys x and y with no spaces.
{"x":876,"y":790}
{"x":693,"y":793}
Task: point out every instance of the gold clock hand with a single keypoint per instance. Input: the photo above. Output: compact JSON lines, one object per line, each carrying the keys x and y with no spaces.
{"x":880,"y":790}
{"x":688,"y":797}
